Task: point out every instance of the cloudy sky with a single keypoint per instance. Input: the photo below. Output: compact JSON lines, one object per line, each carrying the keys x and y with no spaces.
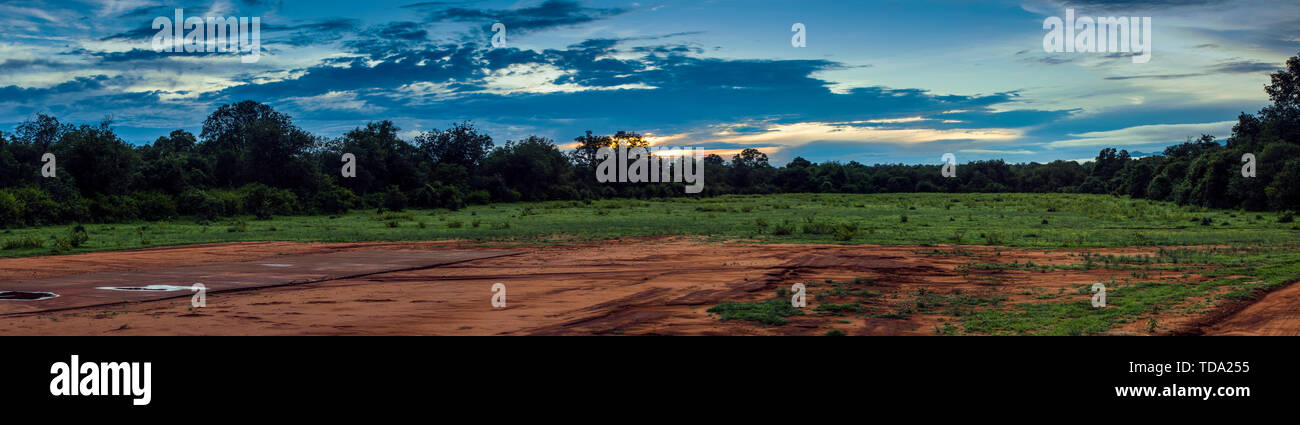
{"x":878,"y":81}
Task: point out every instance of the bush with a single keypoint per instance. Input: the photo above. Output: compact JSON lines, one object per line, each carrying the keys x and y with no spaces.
{"x":334,"y":199}
{"x":783,"y":229}
{"x":479,"y":197}
{"x":24,"y":242}
{"x":394,"y":200}
{"x":11,"y":211}
{"x":264,"y":201}
{"x":446,"y":196}
{"x":230,"y":203}
{"x":818,"y":228}
{"x":154,"y":206}
{"x":114,"y":208}
{"x":76,"y":237}
{"x":199,"y":204}
{"x":845,"y":231}
{"x":77,"y":210}
{"x":38,"y":209}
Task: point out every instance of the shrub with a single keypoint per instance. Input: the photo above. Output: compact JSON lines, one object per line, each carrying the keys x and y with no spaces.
{"x":11,"y":211}
{"x":38,"y":208}
{"x":154,"y":206}
{"x":230,"y":203}
{"x":478,"y":197}
{"x":443,"y":196}
{"x":114,"y":208}
{"x":394,"y":199}
{"x":75,"y":238}
{"x":264,"y":201}
{"x":24,"y":242}
{"x":76,"y":210}
{"x":202,"y":205}
{"x":334,"y":199}
{"x":845,"y":231}
{"x":818,"y":228}
{"x":783,"y":229}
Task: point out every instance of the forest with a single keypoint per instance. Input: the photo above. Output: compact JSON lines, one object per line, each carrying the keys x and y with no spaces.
{"x":250,"y":159}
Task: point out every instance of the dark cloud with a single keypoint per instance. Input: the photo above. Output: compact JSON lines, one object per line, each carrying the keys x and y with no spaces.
{"x":134,"y":55}
{"x":1054,"y":60}
{"x":549,"y":14}
{"x":684,"y":92}
{"x":1153,"y":77}
{"x":1132,"y":5}
{"x":302,"y":34}
{"x":21,"y":64}
{"x":77,"y":85}
{"x":410,"y":31}
{"x":1246,"y":67}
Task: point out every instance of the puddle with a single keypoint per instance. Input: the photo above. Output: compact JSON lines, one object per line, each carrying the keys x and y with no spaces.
{"x":278,"y":265}
{"x":148,"y":288}
{"x":26,"y":296}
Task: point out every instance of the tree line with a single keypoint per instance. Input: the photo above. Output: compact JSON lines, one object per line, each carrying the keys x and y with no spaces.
{"x":252,"y":160}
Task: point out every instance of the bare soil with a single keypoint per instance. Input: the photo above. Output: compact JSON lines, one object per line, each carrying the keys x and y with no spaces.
{"x":623,"y":287}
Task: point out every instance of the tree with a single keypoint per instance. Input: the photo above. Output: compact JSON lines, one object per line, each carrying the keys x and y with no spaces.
{"x":252,"y":143}
{"x":462,"y":145}
{"x":383,"y":159}
{"x":531,"y":167}
{"x":98,"y":160}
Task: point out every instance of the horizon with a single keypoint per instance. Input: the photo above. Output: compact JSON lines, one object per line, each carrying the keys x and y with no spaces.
{"x":870,"y":86}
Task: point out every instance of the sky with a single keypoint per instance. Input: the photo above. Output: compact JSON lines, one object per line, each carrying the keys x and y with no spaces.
{"x":874,"y":81}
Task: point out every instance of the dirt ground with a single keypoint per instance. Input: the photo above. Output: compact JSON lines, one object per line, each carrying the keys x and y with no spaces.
{"x":657,"y":286}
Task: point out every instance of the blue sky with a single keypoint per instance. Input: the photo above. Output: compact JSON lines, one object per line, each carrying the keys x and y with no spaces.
{"x":878,"y":81}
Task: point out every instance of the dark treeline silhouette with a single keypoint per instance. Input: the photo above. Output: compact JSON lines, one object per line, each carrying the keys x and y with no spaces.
{"x":250,"y":159}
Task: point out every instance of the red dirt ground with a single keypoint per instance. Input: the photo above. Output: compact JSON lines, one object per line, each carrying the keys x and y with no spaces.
{"x":642,"y":286}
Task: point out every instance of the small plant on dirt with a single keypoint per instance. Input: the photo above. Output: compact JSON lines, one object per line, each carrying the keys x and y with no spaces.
{"x":769,"y":313}
{"x":835,"y":332}
{"x":838,"y":309}
{"x":947,"y":330}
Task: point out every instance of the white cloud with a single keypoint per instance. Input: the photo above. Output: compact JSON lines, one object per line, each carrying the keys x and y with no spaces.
{"x":1145,"y":135}
{"x":802,"y":133}
{"x":997,"y":152}
{"x":539,"y":78}
{"x":333,"y":101}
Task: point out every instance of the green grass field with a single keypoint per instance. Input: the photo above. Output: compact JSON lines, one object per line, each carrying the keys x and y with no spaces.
{"x":1017,"y":220}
